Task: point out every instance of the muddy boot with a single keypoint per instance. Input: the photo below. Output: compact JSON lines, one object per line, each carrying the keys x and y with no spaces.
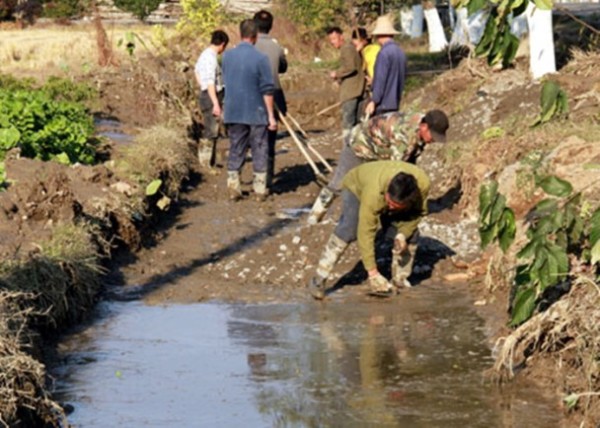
{"x":320,"y":206}
{"x":259,"y":185}
{"x":402,"y":266}
{"x":206,"y":154}
{"x":234,"y":186}
{"x":334,"y":249}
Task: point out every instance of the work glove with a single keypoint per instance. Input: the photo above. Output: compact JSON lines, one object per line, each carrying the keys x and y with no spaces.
{"x":379,"y":285}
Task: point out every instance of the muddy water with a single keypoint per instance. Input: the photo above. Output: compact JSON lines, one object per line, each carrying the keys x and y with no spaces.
{"x":415,"y":361}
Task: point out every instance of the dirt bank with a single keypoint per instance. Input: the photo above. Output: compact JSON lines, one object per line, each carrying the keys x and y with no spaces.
{"x":260,"y":252}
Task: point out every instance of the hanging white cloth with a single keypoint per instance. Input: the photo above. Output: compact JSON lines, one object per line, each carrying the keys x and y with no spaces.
{"x":417,"y":22}
{"x":437,"y":38}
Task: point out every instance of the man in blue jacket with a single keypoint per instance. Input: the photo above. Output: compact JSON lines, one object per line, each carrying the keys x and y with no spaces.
{"x":248,"y":110}
{"x":390,"y":70}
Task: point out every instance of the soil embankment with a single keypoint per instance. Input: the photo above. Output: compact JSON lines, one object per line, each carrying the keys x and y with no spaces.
{"x":211,"y":248}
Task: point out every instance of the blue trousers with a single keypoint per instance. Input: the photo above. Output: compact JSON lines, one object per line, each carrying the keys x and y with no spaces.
{"x":243,"y":137}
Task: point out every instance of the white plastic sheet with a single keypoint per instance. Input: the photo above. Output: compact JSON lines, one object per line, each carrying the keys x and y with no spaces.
{"x":437,"y":38}
{"x":406,"y":19}
{"x":417,"y":22}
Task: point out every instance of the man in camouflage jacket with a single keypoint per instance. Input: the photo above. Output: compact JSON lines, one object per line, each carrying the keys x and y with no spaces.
{"x":391,"y":136}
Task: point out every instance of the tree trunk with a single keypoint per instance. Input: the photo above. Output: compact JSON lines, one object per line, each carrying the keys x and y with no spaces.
{"x":541,"y":41}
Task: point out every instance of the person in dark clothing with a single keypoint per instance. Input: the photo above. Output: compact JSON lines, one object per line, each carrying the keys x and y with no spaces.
{"x":248,"y":110}
{"x":276,"y":54}
{"x":390,"y":70}
{"x":351,"y":78}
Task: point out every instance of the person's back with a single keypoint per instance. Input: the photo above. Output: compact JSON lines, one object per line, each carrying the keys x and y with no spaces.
{"x":247,"y":75}
{"x":390,"y":70}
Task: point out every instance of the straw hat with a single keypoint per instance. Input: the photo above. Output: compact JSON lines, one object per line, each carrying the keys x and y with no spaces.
{"x":384,"y":27}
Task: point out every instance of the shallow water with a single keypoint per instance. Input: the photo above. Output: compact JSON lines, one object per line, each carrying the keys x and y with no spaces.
{"x":409,"y":362}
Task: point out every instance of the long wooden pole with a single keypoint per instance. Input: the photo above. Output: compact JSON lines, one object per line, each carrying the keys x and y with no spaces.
{"x":312,"y":164}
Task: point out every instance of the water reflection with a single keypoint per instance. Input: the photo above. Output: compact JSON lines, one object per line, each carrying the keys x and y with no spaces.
{"x":413,"y":362}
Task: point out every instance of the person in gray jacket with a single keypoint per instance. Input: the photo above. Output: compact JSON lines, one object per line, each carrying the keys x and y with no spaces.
{"x":276,"y":54}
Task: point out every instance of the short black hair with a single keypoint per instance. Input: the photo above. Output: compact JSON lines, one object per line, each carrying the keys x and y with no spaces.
{"x":404,"y":189}
{"x":248,"y":29}
{"x":264,"y":21}
{"x":360,"y":33}
{"x":336,"y":29}
{"x":219,"y":37}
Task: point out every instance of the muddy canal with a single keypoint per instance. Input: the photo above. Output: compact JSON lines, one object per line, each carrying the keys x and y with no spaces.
{"x":415,"y":361}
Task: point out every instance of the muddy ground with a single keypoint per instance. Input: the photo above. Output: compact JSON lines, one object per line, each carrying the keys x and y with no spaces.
{"x":262,"y":252}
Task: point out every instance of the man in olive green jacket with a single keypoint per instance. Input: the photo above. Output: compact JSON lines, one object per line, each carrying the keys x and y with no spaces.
{"x":390,"y":194}
{"x":350,"y":76}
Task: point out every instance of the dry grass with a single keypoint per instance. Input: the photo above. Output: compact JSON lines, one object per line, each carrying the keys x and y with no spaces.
{"x":63,"y":278}
{"x":61,"y":51}
{"x":22,"y":378}
{"x":161,"y":152}
{"x":568,"y":332}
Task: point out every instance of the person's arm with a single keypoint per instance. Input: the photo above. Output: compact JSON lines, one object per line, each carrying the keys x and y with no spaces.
{"x":368,"y":222}
{"x":267,"y":87}
{"x":212,"y":93}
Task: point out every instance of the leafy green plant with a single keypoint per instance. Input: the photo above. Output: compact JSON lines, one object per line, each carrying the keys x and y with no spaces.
{"x":130,"y":42}
{"x":498,"y":44}
{"x":44,"y":128}
{"x":558,"y":227}
{"x":553,"y":103}
{"x":496,"y":220}
{"x":61,"y":89}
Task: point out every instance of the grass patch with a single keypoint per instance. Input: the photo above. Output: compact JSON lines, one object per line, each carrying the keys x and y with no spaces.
{"x":161,"y":152}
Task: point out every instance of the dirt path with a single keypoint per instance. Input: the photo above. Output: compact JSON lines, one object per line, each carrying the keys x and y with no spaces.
{"x":255,"y":252}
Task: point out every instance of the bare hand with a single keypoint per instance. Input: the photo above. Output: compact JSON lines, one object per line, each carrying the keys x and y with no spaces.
{"x":216,"y":111}
{"x":370,"y":109}
{"x":333,"y":75}
{"x":272,"y":124}
{"x":378,"y":284}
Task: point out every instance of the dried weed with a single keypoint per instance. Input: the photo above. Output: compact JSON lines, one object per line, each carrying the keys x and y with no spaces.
{"x":568,"y":332}
{"x":161,"y":152}
{"x":22,"y":379}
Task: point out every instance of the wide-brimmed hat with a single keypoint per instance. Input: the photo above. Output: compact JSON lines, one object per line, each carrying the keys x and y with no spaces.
{"x":438,"y":124}
{"x":384,"y":27}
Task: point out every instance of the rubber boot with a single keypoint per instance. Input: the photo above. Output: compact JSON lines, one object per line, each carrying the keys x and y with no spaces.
{"x":334,"y":249}
{"x":206,"y":154}
{"x":259,"y":185}
{"x":402,"y":264}
{"x":320,"y":206}
{"x":234,"y":187}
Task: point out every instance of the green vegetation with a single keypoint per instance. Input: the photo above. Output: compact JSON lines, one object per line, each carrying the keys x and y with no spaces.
{"x":141,"y":9}
{"x":553,"y":103}
{"x":45,"y":129}
{"x":315,"y":14}
{"x":48,"y":123}
{"x":63,"y":9}
{"x":559,"y":228}
{"x":200,"y":17}
{"x":498,"y":44}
